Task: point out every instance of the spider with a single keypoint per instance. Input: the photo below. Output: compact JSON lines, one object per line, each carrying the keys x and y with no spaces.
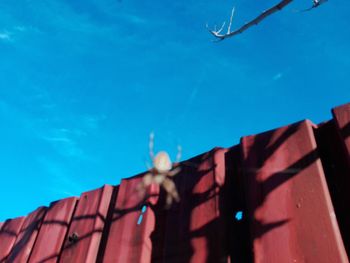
{"x":161,"y":173}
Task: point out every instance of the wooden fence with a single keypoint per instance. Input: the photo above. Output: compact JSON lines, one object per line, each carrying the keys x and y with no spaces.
{"x":279,"y":196}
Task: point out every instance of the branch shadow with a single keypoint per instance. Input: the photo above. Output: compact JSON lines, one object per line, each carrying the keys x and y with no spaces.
{"x":257,"y":191}
{"x":9,"y":234}
{"x":26,"y":233}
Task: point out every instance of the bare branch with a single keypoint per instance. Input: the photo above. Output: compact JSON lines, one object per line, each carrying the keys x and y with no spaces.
{"x":217,"y":33}
{"x":230,"y":24}
{"x":316,"y":3}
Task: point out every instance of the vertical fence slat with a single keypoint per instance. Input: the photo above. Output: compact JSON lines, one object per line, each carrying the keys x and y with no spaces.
{"x":337,"y":170}
{"x":8,"y":235}
{"x":292,"y":217}
{"x":234,"y":204}
{"x":85,"y":231}
{"x":341,"y":116}
{"x":53,"y":231}
{"x":195,"y":230}
{"x":129,"y":237}
{"x":27,"y":236}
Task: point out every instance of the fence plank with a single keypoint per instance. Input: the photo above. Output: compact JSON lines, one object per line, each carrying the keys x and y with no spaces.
{"x":130,"y":229}
{"x":341,"y":116}
{"x":8,"y":235}
{"x":85,"y":231}
{"x":27,"y":236}
{"x":235,"y":212}
{"x":292,"y":218}
{"x":195,"y":230}
{"x":53,"y":231}
{"x":337,"y":170}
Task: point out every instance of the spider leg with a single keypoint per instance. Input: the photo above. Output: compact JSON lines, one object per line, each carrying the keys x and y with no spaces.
{"x":170,"y":188}
{"x":179,"y":154}
{"x":168,"y":201}
{"x":174,"y":172}
{"x":159,"y":178}
{"x":149,"y":168}
{"x":145,"y":182}
{"x":151,"y":145}
{"x":147,"y":179}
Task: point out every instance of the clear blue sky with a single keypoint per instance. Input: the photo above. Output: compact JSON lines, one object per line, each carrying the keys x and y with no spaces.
{"x":83,"y":82}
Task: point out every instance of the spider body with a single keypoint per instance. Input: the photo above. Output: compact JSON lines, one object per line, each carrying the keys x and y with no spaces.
{"x":161,"y":173}
{"x":162,"y":162}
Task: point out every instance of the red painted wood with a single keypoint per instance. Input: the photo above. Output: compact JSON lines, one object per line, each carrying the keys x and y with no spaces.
{"x":341,"y":116}
{"x":8,"y":235}
{"x":53,"y":231}
{"x":27,"y":236}
{"x":129,"y":241}
{"x":233,"y":201}
{"x":87,"y":224}
{"x":195,"y":229}
{"x":292,"y":218}
{"x":337,"y":170}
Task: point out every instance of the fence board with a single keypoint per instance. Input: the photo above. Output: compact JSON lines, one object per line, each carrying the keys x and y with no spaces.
{"x":341,"y":116}
{"x":335,"y":164}
{"x":194,"y":228}
{"x":292,"y":218}
{"x":8,"y":235}
{"x":87,"y":225}
{"x":53,"y":231}
{"x":27,"y":236}
{"x":129,"y":237}
{"x":237,"y":233}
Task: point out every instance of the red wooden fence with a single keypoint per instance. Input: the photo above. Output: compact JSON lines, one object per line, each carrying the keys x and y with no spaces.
{"x":290,"y":183}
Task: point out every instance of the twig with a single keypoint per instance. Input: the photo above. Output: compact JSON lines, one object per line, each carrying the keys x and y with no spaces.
{"x":219,"y":37}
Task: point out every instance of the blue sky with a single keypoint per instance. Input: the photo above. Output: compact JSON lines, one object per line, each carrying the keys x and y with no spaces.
{"x":84,"y":82}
